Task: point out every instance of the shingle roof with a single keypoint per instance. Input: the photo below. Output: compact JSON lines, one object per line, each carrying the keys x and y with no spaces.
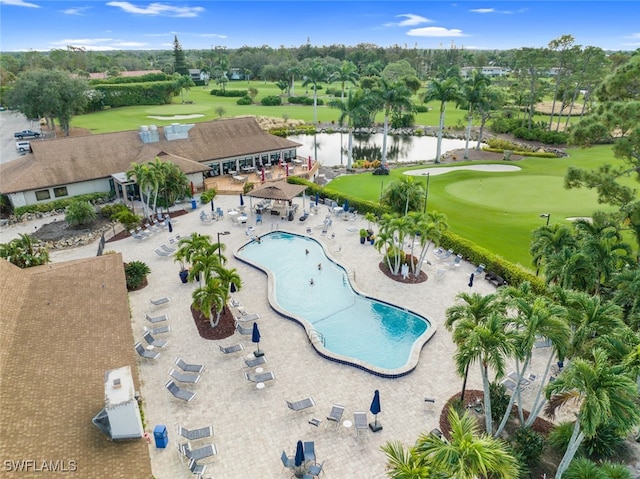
{"x":70,"y":160}
{"x":62,"y":326}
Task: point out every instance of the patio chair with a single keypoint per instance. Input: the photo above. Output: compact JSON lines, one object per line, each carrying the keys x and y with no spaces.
{"x":479,"y":269}
{"x":242,"y":330}
{"x":146,"y":353}
{"x":456,"y":261}
{"x":335,"y":415}
{"x":360,"y":422}
{"x":440,"y":274}
{"x":315,"y":469}
{"x":189,"y":368}
{"x":156,"y":319}
{"x":231,"y":349}
{"x":136,"y":235}
{"x":195,"y":434}
{"x":199,"y":453}
{"x":439,"y":251}
{"x":159,"y":252}
{"x":260,"y":377}
{"x":255,"y":362}
{"x":156,"y":343}
{"x":287,"y":462}
{"x":309,"y":451}
{"x":446,"y":255}
{"x":248,"y":317}
{"x":158,"y":330}
{"x":234,"y":302}
{"x":184,"y":377}
{"x":301,"y":404}
{"x":196,"y":468}
{"x":161,"y":301}
{"x":168,"y":249}
{"x":180,"y":393}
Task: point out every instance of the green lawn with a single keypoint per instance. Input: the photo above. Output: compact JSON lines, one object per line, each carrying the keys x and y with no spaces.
{"x":499,"y":210}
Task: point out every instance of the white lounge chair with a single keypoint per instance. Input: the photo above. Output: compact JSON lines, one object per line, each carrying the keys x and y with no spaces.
{"x":156,"y":343}
{"x":248,"y":317}
{"x":335,"y":415}
{"x":255,"y":362}
{"x":260,"y":377}
{"x":156,"y":319}
{"x":158,"y":330}
{"x":360,"y":422}
{"x":189,"y":368}
{"x":185,"y":377}
{"x":231,"y":349}
{"x":161,"y":301}
{"x":301,"y":404}
{"x":159,"y":252}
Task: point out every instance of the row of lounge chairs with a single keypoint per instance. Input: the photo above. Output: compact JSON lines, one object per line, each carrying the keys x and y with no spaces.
{"x":190,"y":374}
{"x":164,"y":250}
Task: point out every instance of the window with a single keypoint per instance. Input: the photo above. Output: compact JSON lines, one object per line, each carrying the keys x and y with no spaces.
{"x":42,"y":195}
{"x":60,"y":191}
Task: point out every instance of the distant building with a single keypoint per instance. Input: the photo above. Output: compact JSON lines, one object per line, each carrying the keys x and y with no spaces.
{"x":490,"y":71}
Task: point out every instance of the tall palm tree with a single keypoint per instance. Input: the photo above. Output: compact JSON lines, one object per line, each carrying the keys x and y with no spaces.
{"x":570,"y":269}
{"x":404,"y":195}
{"x":211,"y":295}
{"x":390,"y":95}
{"x":351,"y":110}
{"x":347,"y":73}
{"x":603,"y":396}
{"x":427,"y":230}
{"x":467,"y":454}
{"x":406,"y":463}
{"x":293,"y":72}
{"x":472,"y":92}
{"x":140,"y":173}
{"x":443,"y":91}
{"x":549,"y":240}
{"x":626,"y":285}
{"x":191,"y":246}
{"x":314,"y":76}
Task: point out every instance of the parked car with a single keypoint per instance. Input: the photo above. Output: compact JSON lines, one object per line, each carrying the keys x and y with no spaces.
{"x":23,"y":146}
{"x":26,"y":134}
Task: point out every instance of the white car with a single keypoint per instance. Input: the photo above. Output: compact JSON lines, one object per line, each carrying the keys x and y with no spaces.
{"x":23,"y":146}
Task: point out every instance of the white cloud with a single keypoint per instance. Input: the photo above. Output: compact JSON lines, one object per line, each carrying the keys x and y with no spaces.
{"x":213,"y":35}
{"x":633,"y":35}
{"x":435,"y":32}
{"x":410,"y":19}
{"x":483,"y":10}
{"x":501,"y":12}
{"x":158,"y":9}
{"x":75,"y":11}
{"x":86,"y":41}
{"x":97,"y":44}
{"x":19,"y":3}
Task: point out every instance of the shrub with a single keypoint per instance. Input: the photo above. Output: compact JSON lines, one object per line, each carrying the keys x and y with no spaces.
{"x":229,"y":93}
{"x":127,"y":218}
{"x":499,"y":399}
{"x":607,"y":442}
{"x":271,"y":100}
{"x":80,"y":212}
{"x":135,"y":273}
{"x":247,"y":187}
{"x":560,"y":436}
{"x":245,"y":100}
{"x":61,"y":204}
{"x":208,"y":195}
{"x":420,"y":108}
{"x":528,"y":444}
{"x":110,"y":211}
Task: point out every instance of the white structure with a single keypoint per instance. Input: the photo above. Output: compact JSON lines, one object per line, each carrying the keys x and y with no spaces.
{"x":120,"y":418}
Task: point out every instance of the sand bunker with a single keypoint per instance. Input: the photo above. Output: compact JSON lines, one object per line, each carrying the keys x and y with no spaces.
{"x":176,"y":117}
{"x":447,"y":169}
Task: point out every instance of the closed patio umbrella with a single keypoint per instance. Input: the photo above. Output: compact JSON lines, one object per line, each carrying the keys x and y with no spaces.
{"x":255,"y":338}
{"x":309,"y":161}
{"x":299,"y":457}
{"x":241,"y":200}
{"x":375,"y":409}
{"x":286,"y":169}
{"x":317,"y":198}
{"x":262,"y":174}
{"x":212,"y":206}
{"x":471,"y":280}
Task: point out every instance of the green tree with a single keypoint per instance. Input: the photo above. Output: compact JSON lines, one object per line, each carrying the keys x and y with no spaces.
{"x":603,"y":395}
{"x":391,"y":96}
{"x":24,"y":251}
{"x":442,"y":91}
{"x":314,"y":76}
{"x":179,"y":59}
{"x":472,"y":93}
{"x":404,"y":195}
{"x":206,"y":298}
{"x":347,"y":73}
{"x":354,"y":108}
{"x":80,"y":212}
{"x":146,"y":183}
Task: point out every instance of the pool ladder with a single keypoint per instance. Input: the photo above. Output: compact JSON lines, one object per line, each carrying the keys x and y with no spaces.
{"x":316,"y":336}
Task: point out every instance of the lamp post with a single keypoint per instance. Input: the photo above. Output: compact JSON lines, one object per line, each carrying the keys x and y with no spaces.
{"x":221,"y":233}
{"x":548,"y":216}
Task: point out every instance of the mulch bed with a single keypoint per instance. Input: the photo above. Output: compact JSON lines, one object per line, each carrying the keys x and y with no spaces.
{"x":125,"y":234}
{"x":410,"y":279}
{"x":225,"y":328}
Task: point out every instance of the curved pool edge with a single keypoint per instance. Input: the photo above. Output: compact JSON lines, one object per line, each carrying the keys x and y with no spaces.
{"x":414,"y":356}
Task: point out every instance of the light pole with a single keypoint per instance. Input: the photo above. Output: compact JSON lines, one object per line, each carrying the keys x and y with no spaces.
{"x":548,"y":216}
{"x":221,"y":233}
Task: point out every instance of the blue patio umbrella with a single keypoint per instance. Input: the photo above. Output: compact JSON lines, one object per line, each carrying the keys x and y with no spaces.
{"x":241,"y":200}
{"x":471,"y":280}
{"x":375,"y":409}
{"x":345,"y":206}
{"x":212,"y":207}
{"x":255,"y":338}
{"x":299,"y":458}
{"x":317,"y":198}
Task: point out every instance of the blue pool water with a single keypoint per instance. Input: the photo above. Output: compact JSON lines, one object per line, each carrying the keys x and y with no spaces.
{"x":353,"y":326}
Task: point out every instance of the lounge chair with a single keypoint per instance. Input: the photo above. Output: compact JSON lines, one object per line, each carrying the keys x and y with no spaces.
{"x":196,"y":468}
{"x":146,"y":353}
{"x":248,"y":317}
{"x":179,"y":392}
{"x":189,"y":368}
{"x":234,"y":302}
{"x":199,"y":453}
{"x":335,"y":415}
{"x":136,"y":235}
{"x":159,"y":252}
{"x":438,"y":251}
{"x":360,"y":421}
{"x":156,"y":319}
{"x":304,"y":216}
{"x":301,"y":404}
{"x":446,"y":255}
{"x":184,"y":377}
{"x":255,"y":362}
{"x":156,"y":343}
{"x":479,"y":269}
{"x":260,"y":377}
{"x":168,"y":249}
{"x":195,"y":434}
{"x":242,"y":330}
{"x":309,"y":451}
{"x":158,"y":330}
{"x":231,"y":349}
{"x":456,"y":261}
{"x":161,"y":301}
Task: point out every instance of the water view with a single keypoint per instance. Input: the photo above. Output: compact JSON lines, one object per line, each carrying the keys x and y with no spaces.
{"x":332,"y":148}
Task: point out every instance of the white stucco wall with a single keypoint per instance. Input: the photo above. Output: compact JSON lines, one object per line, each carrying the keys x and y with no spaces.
{"x":75,"y":189}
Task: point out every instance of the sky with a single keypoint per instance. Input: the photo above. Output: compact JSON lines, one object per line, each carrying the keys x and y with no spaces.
{"x":471,"y":24}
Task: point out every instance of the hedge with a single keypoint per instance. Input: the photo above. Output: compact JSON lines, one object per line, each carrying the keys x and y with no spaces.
{"x":148,"y":77}
{"x":230,"y":93}
{"x":61,"y":203}
{"x":512,"y":273}
{"x":129,"y":94}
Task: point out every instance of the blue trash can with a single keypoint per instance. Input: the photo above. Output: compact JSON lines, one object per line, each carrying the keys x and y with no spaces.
{"x":161,"y":436}
{"x":193,"y":204}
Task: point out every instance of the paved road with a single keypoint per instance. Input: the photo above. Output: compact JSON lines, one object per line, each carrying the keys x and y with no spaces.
{"x":10,"y":122}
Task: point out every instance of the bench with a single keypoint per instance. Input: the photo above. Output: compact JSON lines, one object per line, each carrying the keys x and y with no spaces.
{"x":495,"y":279}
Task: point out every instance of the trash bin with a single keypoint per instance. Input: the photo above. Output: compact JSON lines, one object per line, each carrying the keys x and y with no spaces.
{"x":161,"y":436}
{"x":193,"y":204}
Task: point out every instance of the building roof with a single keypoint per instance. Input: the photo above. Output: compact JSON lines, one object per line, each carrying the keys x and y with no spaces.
{"x":64,"y":161}
{"x":280,"y":190}
{"x":62,"y":326}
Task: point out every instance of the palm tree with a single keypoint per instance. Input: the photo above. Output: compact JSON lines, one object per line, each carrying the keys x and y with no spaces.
{"x":347,"y":73}
{"x":404,"y":195}
{"x":570,"y":269}
{"x":603,"y":396}
{"x":351,"y":110}
{"x":427,"y":230}
{"x":313,"y":76}
{"x":626,"y":285}
{"x":406,"y":463}
{"x":390,"y":95}
{"x":24,"y":251}
{"x":144,"y":179}
{"x":472,"y":93}
{"x":467,"y":454}
{"x":293,"y":72}
{"x":443,"y":91}
{"x":548,"y":240}
{"x":211,"y":295}
{"x":191,"y":246}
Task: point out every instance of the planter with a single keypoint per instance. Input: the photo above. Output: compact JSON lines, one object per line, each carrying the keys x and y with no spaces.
{"x":372,"y":240}
{"x":362,"y":239}
{"x":184,"y":274}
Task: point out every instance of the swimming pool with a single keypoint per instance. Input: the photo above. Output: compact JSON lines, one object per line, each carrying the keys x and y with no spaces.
{"x":344,"y":325}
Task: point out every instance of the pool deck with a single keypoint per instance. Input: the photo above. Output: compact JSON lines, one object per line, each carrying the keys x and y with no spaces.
{"x":253,"y":426}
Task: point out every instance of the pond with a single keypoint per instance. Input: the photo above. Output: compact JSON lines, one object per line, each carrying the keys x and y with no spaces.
{"x":332,"y":148}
